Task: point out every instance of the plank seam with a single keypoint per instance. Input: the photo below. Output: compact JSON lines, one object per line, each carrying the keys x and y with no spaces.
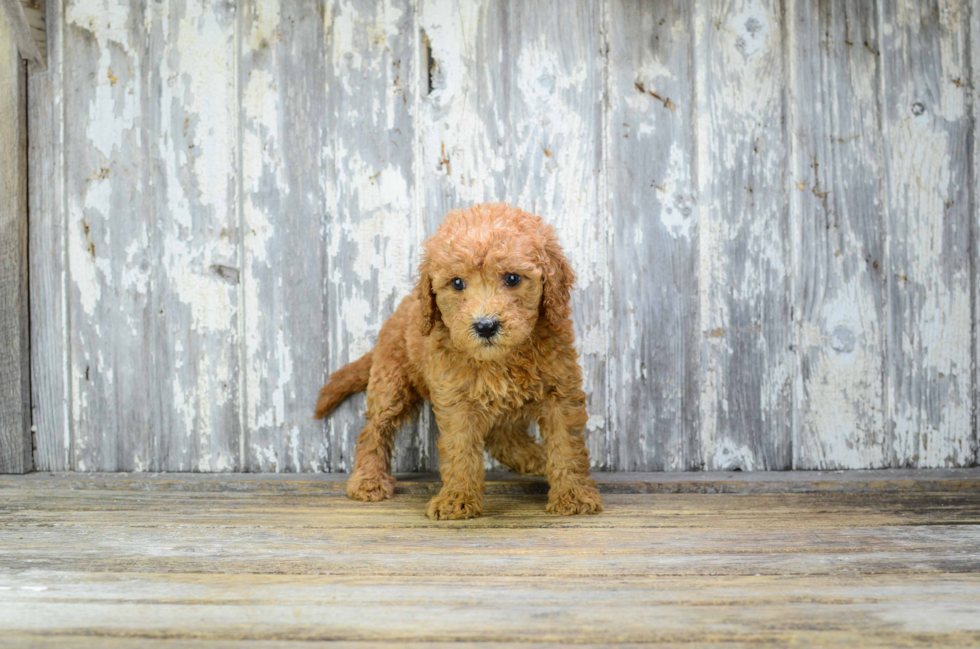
{"x":240,"y":214}
{"x":604,"y":206}
{"x":26,"y":381}
{"x":974,"y":242}
{"x":422,"y":423}
{"x":796,"y":215}
{"x":696,"y":448}
{"x":886,"y":242}
{"x":883,"y":327}
{"x":784,"y":32}
{"x":68,"y":406}
{"x":696,"y":190}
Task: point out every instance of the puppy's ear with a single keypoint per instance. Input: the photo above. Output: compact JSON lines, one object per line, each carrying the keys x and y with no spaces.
{"x":426,"y":298}
{"x":558,"y":281}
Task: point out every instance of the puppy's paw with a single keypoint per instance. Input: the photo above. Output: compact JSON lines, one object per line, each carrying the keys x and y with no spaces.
{"x":370,"y":488}
{"x":579,"y":499}
{"x":451,"y":505}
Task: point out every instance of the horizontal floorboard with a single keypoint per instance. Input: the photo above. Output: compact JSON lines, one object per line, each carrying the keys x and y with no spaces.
{"x":194,"y":561}
{"x":734,"y":482}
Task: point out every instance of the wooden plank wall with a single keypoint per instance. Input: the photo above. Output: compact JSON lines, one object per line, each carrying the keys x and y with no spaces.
{"x":770,"y":205}
{"x":50,"y":369}
{"x":15,"y":390}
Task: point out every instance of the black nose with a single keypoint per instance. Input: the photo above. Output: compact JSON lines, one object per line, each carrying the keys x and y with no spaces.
{"x":486,"y":328}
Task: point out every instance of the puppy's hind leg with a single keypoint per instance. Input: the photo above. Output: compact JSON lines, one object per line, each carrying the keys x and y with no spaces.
{"x":510,"y":444}
{"x":390,"y":401}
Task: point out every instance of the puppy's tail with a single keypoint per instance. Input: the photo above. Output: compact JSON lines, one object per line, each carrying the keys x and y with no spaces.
{"x":349,"y":379}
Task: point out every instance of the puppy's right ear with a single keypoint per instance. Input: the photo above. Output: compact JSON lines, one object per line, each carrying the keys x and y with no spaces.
{"x":426,"y":298}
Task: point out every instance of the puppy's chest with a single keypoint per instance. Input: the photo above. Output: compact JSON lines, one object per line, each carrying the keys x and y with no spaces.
{"x":496,"y":389}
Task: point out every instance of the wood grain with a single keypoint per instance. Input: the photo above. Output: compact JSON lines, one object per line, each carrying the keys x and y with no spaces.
{"x":514,"y":115}
{"x":747,"y":364}
{"x":188,"y":116}
{"x":15,"y":387}
{"x":880,"y":481}
{"x":284,"y":163}
{"x":35,"y":13}
{"x":187,"y":565}
{"x":653,"y":396}
{"x":374,"y":232}
{"x":50,"y":333}
{"x":109,"y":222}
{"x":329,"y":214}
{"x":928,"y":129}
{"x":838,"y":216}
{"x":153,"y":257}
{"x":975,"y":204}
{"x":227,"y":201}
{"x":25,"y":27}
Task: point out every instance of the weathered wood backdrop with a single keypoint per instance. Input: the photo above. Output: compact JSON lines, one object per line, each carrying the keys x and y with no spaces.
{"x":771,"y":206}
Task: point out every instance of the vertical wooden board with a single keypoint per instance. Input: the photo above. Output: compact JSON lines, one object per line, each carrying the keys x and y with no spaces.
{"x":284,"y":130}
{"x":747,"y":363}
{"x":514,"y":114}
{"x":15,"y":388}
{"x":838,"y":211}
{"x":190,"y":130}
{"x":372,"y":237}
{"x":328,"y":181}
{"x":975,"y":205}
{"x":150,"y":142}
{"x":653,"y":372}
{"x":109,"y":223}
{"x":48,"y":262}
{"x":927,"y":133}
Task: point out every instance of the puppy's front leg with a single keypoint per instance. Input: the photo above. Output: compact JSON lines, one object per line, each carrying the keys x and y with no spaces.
{"x":460,"y":444}
{"x":572,"y":491}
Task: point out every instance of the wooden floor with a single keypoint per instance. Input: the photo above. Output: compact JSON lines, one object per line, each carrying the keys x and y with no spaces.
{"x":863,"y":558}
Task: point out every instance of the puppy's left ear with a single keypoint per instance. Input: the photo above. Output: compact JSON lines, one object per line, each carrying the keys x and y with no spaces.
{"x":558,"y":281}
{"x":426,"y":298}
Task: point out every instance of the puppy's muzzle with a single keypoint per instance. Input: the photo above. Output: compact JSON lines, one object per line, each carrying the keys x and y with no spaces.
{"x":486,"y":328}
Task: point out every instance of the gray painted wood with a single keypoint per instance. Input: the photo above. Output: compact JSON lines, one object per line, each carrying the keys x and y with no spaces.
{"x":515,"y":114}
{"x":747,"y":363}
{"x":190,"y":126}
{"x":975,"y":205}
{"x":838,"y":211}
{"x":104,"y":562}
{"x":653,"y":395}
{"x":329,"y":214}
{"x":35,"y":14}
{"x":927,"y":141}
{"x":25,"y":26}
{"x":374,"y":232}
{"x":152,"y":250}
{"x":284,"y":197}
{"x":50,"y":391}
{"x":228,"y":201}
{"x":109,"y":218}
{"x":15,"y":388}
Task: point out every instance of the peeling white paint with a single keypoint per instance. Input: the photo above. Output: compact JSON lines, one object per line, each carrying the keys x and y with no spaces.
{"x":930,"y":374}
{"x":532,"y":134}
{"x":678,"y":212}
{"x":727,"y":456}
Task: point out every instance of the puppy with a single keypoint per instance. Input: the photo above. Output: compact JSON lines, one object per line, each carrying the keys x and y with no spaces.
{"x":486,"y":338}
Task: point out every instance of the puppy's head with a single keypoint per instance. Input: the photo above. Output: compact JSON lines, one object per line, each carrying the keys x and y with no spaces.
{"x":488,"y":274}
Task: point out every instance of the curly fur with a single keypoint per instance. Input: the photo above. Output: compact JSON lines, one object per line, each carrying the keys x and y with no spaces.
{"x":483,"y":393}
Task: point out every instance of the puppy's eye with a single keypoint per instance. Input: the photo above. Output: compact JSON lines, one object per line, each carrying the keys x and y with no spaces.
{"x":459,"y":284}
{"x":510,"y":279}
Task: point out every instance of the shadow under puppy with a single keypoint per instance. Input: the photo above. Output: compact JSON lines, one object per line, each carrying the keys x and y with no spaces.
{"x":486,"y":338}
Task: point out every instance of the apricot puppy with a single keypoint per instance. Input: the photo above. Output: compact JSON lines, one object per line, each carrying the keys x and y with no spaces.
{"x":486,"y":338}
